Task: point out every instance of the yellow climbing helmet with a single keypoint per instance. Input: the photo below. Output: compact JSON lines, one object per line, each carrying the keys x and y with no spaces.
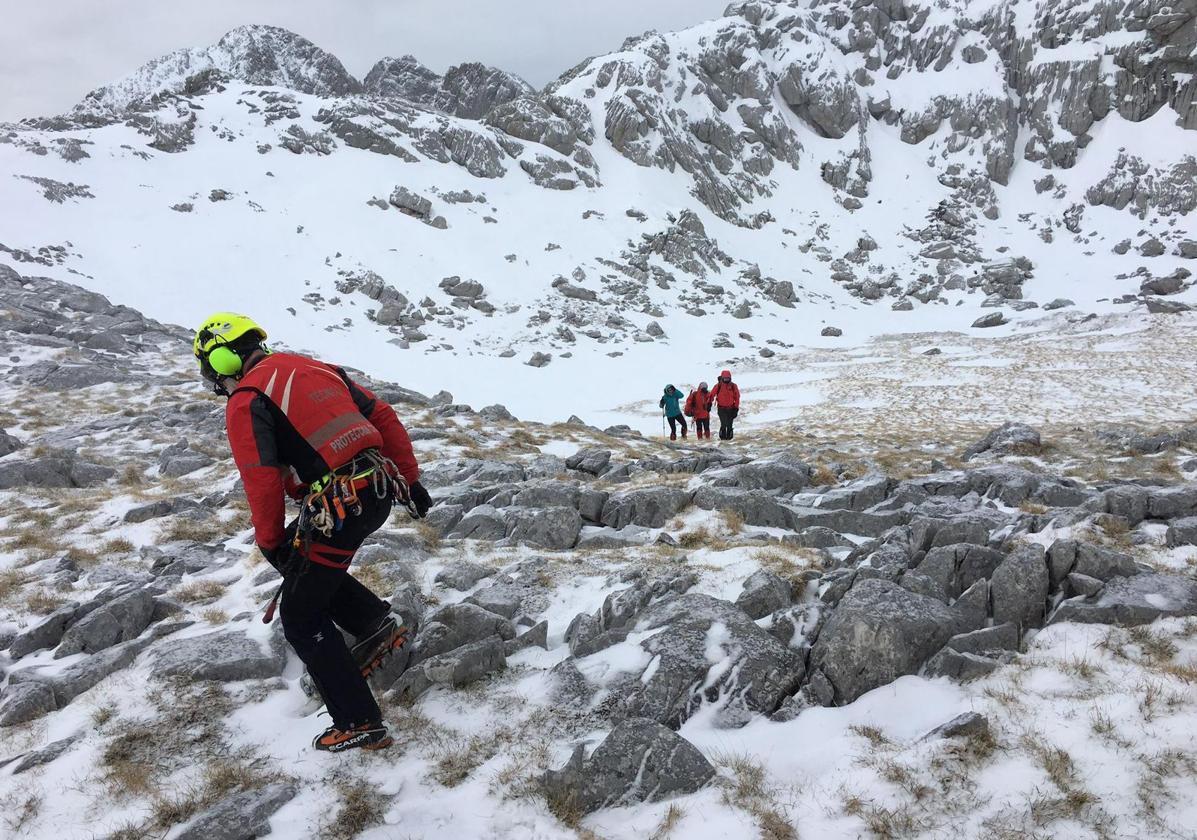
{"x":222,"y":342}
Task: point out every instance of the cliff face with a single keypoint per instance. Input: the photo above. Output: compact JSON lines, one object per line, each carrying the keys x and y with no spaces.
{"x":773,"y":164}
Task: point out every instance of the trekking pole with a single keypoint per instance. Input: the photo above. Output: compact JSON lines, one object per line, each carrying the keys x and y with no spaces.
{"x":663,"y":432}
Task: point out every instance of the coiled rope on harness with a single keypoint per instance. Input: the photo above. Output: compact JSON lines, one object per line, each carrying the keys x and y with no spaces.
{"x":332,"y":499}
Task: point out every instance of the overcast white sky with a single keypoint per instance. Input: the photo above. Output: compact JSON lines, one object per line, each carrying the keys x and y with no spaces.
{"x":52,"y":52}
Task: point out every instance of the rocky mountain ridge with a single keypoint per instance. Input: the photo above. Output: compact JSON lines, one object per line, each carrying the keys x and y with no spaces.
{"x":735,"y":187}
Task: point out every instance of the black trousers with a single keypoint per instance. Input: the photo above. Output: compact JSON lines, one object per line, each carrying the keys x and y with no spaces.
{"x":702,"y":426}
{"x":673,"y":424}
{"x":322,"y":596}
{"x":726,"y":416}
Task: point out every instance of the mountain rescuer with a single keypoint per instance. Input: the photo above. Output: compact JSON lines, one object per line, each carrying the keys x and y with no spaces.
{"x":671,"y":402}
{"x":698,"y":406}
{"x":726,"y":395}
{"x":303,"y":428}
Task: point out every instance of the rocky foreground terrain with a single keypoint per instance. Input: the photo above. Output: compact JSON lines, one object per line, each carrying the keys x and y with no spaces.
{"x":788,"y":171}
{"x":615,"y":637}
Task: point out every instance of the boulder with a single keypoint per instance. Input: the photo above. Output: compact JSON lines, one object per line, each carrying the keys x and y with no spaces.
{"x":650,"y":507}
{"x":224,"y":656}
{"x":457,"y":667}
{"x":755,"y":507}
{"x":41,"y":757}
{"x":119,"y":620}
{"x":592,"y":461}
{"x":457,"y":625}
{"x":1182,"y":532}
{"x":462,"y":574}
{"x":783,"y":473}
{"x":1002,"y":637}
{"x":764,"y":593}
{"x":878,"y":633}
{"x":968,"y":724}
{"x":484,"y":522}
{"x":1067,"y":556}
{"x":536,"y":636}
{"x":46,"y":633}
{"x":550,"y":527}
{"x":8,"y":443}
{"x":707,"y":652}
{"x":1007,"y":439}
{"x":960,"y":666}
{"x":243,"y":815}
{"x":1129,"y":601}
{"x":1077,"y":584}
{"x":993,"y":319}
{"x":640,"y":761}
{"x":505,"y":597}
{"x":25,"y":701}
{"x":58,"y":469}
{"x":1019,"y":588}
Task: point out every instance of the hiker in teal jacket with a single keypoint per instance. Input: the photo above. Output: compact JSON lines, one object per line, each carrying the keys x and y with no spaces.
{"x":672,"y":404}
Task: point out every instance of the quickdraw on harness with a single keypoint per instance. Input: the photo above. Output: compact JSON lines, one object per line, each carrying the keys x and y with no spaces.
{"x":332,"y":499}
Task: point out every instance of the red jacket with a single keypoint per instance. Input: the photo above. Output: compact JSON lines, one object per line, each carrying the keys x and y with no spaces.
{"x":291,"y":413}
{"x":726,"y":394}
{"x":698,"y":404}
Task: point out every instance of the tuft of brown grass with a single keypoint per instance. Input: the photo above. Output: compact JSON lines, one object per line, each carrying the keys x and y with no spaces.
{"x":100,"y":715}
{"x":430,"y":535}
{"x":199,"y":591}
{"x":673,"y":816}
{"x":750,"y":790}
{"x":117,"y":545}
{"x":191,"y":530}
{"x":871,"y":734}
{"x":457,"y":761}
{"x":12,"y":581}
{"x":362,"y":807}
{"x":733,"y":521}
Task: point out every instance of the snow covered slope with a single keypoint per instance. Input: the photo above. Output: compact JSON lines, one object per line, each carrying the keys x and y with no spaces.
{"x":694,"y":199}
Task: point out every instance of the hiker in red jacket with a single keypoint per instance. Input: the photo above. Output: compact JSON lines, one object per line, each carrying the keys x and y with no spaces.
{"x":726,"y":396}
{"x":698,"y":406}
{"x":303,"y":428}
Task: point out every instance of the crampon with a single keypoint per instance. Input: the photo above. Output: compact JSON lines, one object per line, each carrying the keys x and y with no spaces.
{"x":372,"y":650}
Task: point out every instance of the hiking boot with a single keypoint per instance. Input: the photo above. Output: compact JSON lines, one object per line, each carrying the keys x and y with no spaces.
{"x":370,"y":736}
{"x":370,"y":650}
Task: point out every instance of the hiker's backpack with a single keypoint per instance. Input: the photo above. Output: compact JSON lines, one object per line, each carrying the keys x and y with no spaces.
{"x":689,"y":408}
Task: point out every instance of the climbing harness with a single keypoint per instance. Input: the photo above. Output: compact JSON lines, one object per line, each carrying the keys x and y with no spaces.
{"x":332,"y":499}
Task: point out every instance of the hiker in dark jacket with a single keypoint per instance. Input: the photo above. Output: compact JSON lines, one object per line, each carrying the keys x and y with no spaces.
{"x":698,"y":406}
{"x":671,"y":402}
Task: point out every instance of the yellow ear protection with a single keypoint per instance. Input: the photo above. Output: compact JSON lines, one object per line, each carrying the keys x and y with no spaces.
{"x":224,"y":360}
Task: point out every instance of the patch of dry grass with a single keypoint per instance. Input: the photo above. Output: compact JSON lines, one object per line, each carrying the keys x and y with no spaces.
{"x":41,"y":601}
{"x":12,"y":584}
{"x":362,"y":807}
{"x":673,"y":815}
{"x":748,"y":788}
{"x":199,"y":591}
{"x":430,"y":535}
{"x":455,"y":762}
{"x":182,"y":528}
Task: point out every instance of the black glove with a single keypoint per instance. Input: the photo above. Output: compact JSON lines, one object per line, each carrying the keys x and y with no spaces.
{"x":735,"y":413}
{"x":420,"y":498}
{"x":279,"y":557}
